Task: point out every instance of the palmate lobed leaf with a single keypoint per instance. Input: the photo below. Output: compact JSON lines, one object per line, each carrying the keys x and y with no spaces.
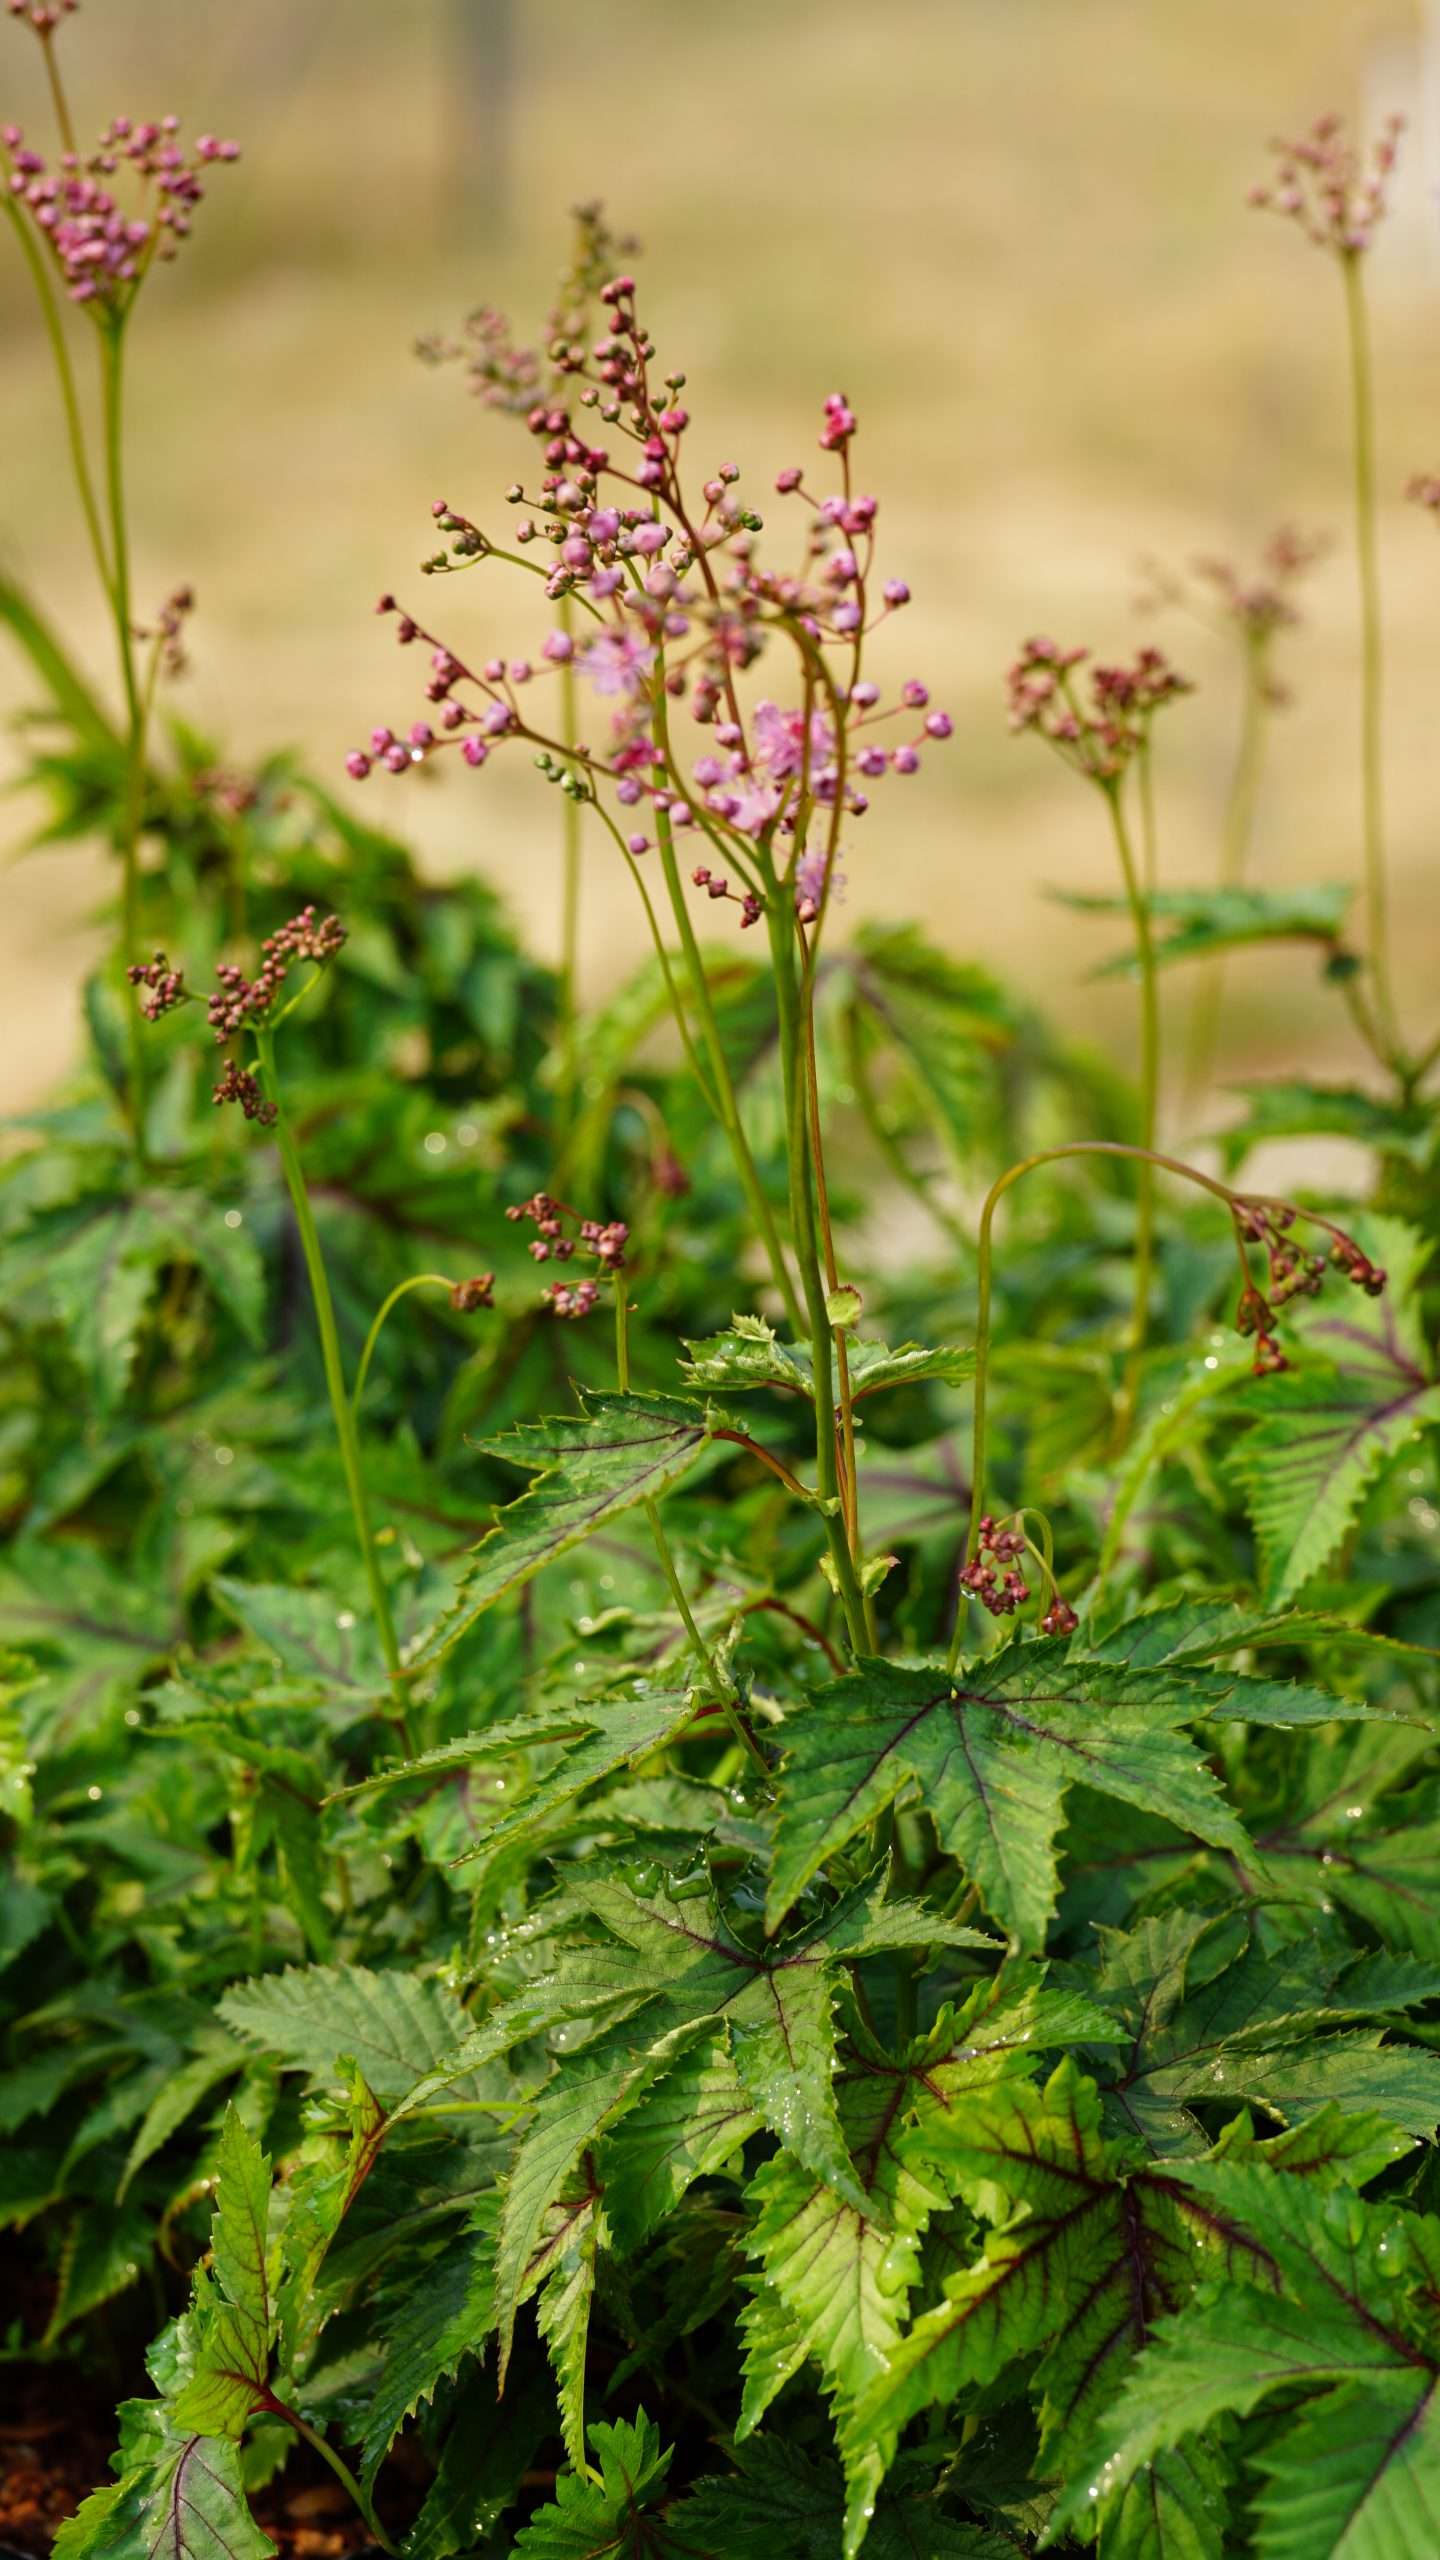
{"x":100,"y":1260}
{"x":752,"y":1355}
{"x":397,"y":2026}
{"x":591,"y":1468}
{"x":992,"y":1751}
{"x":1194,"y":924}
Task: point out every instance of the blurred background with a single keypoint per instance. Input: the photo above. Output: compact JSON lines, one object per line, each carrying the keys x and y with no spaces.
{"x":1014,"y":231}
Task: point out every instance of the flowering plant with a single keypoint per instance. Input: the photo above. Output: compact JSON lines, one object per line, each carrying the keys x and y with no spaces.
{"x":847,"y":1972}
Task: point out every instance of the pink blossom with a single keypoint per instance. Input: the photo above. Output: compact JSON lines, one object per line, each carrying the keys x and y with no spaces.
{"x":617,"y":662}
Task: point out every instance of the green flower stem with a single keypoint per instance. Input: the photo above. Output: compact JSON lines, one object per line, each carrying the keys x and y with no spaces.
{"x":418,"y":1280}
{"x":979,"y":1452}
{"x":1234,"y":848}
{"x":570,"y":892}
{"x":729,"y":1107}
{"x":1149,"y":1099}
{"x":723,"y":1690}
{"x":57,"y":89}
{"x":112,"y":372}
{"x":274,"y":2408}
{"x":341,"y":1409}
{"x":1371,"y":645}
{"x":779,"y":918}
{"x":65,"y":375}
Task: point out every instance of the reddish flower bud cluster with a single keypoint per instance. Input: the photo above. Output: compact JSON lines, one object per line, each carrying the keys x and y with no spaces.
{"x":467,"y":1295}
{"x":238,"y":1084}
{"x":571,"y":1299}
{"x":43,"y":15}
{"x":1324,"y":183}
{"x":561,"y":1233}
{"x":1101,"y":735}
{"x":166,"y":986}
{"x":1292,"y":1271}
{"x":168,"y":631}
{"x":677,"y":606}
{"x":1256,"y":607}
{"x":1424,"y":491}
{"x":102,"y":250}
{"x":1007,"y":1591}
{"x":238,"y":1000}
{"x":1002,"y":1594}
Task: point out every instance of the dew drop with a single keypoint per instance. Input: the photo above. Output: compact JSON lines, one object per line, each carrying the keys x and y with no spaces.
{"x":234,"y":1218}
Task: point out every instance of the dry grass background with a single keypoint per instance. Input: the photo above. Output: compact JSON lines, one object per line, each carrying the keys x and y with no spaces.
{"x":1014,"y":230}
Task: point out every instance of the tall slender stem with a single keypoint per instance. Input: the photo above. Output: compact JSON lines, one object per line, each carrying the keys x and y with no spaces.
{"x":569,"y":891}
{"x":341,"y":1409}
{"x":1149,"y":1100}
{"x":724,"y":1691}
{"x":1371,"y":643}
{"x":112,"y":374}
{"x":729,"y":1108}
{"x":780,"y":918}
{"x":70,"y":399}
{"x":1234,"y":847}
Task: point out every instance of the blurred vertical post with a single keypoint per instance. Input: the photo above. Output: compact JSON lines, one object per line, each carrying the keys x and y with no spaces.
{"x":479,"y":74}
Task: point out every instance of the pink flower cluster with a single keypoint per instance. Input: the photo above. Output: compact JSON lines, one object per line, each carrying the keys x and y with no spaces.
{"x":1324,"y":183}
{"x":601,"y":1241}
{"x":43,"y":15}
{"x":1100,"y":735}
{"x":667,"y":599}
{"x":101,"y":249}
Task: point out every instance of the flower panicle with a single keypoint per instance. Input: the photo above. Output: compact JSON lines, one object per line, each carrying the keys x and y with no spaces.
{"x":670,"y":598}
{"x":1097,"y":727}
{"x":236,"y":1003}
{"x":1293,"y":1270}
{"x":1330,"y":187}
{"x":102,"y":247}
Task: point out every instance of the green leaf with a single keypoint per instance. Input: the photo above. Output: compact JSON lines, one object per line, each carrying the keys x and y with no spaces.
{"x":100,"y":1259}
{"x":695,"y":2119}
{"x":63,"y":1595}
{"x":233,"y":2320}
{"x":781,"y":2504}
{"x":397,"y":2026}
{"x":1043,"y":2151}
{"x":102,"y":2255}
{"x":186,"y":2502}
{"x":1326,"y":1432}
{"x":1226,"y":2353}
{"x":619,"y":2514}
{"x":567,"y":2296}
{"x":1177,"y":2509}
{"x":444,"y":2318}
{"x":484,"y":2455}
{"x":944,"y":1019}
{"x":597,"y":1741}
{"x":991,"y":1752}
{"x":841,"y":2276}
{"x":1357,"y":2477}
{"x":752,"y":1355}
{"x":1194,"y":924}
{"x":1284,"y":1108}
{"x":592,"y":1469}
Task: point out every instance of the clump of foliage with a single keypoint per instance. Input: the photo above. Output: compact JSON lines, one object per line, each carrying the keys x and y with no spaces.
{"x":678,"y":1887}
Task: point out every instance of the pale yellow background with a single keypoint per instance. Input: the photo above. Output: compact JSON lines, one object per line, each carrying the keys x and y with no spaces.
{"x":1013,"y":230}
